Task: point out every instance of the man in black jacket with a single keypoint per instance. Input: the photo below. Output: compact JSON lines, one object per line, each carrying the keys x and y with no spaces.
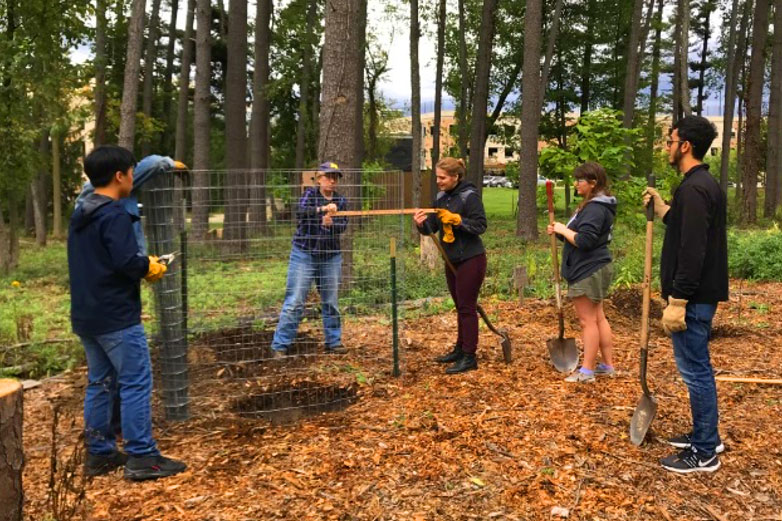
{"x":693,"y":278}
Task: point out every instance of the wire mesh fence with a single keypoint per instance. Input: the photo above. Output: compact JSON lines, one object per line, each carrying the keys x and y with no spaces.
{"x":267,"y":290}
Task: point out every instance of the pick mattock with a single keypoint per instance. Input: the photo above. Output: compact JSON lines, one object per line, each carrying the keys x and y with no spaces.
{"x":647,"y":406}
{"x":562,"y":351}
{"x":507,"y":352}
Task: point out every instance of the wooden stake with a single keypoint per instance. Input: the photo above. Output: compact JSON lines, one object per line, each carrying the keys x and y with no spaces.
{"x":393,"y":211}
{"x":742,"y":380}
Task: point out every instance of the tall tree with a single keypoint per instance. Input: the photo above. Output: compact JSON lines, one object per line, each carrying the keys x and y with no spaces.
{"x":38,"y":190}
{"x":527,"y":224}
{"x":180,"y":142}
{"x":731,"y":82}
{"x":150,"y":57}
{"x":201,"y":123}
{"x":100,"y":73}
{"x":415,"y":102}
{"x":376,"y":69}
{"x":259,"y":121}
{"x":464,"y":94}
{"x":127,"y":125}
{"x":704,"y":31}
{"x":586,"y":62}
{"x":438,"y":93}
{"x":631,"y":79}
{"x":235,"y":225}
{"x":684,"y":48}
{"x":169,"y":114}
{"x":342,"y":100}
{"x":751,"y":162}
{"x":651,"y":124}
{"x":480,"y":98}
{"x":774,"y":145}
{"x":304,"y":121}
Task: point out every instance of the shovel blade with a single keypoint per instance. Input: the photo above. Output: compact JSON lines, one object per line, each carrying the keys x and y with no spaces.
{"x":563,"y":353}
{"x":642,"y":419}
{"x":507,"y":348}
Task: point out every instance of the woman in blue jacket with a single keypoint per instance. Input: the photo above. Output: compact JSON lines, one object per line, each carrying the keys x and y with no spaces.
{"x":587,"y":266}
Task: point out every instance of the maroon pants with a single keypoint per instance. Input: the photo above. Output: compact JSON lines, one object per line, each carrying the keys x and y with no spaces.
{"x":464,"y":288}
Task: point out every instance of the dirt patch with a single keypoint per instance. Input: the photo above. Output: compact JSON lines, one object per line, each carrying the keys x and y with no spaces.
{"x":731,"y":331}
{"x":629,"y":302}
{"x":287,"y":404}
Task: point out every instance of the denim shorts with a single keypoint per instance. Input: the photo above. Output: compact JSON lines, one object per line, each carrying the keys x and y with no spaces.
{"x":595,"y":286}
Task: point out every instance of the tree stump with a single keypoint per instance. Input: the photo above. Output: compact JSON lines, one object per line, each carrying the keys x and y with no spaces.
{"x":430,"y":255}
{"x":520,"y":280}
{"x":11,"y":454}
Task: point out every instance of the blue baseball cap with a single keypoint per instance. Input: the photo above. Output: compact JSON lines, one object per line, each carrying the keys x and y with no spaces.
{"x":330,"y":167}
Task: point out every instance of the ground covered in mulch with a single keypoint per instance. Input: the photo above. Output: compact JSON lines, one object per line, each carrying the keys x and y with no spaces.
{"x":503,"y":442}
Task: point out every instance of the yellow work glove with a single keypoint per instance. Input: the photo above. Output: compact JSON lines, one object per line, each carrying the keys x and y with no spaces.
{"x":660,"y":208}
{"x":447,"y":217}
{"x":673,"y":316}
{"x":448,"y":233}
{"x":156,"y":270}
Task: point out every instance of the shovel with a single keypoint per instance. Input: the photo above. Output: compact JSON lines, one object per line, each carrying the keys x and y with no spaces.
{"x":507,"y":353}
{"x":647,"y":406}
{"x":562,"y":351}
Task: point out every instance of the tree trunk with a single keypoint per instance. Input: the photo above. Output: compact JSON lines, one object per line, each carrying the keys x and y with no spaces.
{"x":684,"y":46}
{"x":100,"y":73}
{"x":304,"y":124}
{"x":464,"y":81}
{"x":9,"y":237}
{"x":438,"y":94}
{"x":741,"y":75}
{"x":651,"y":125}
{"x":704,"y":57}
{"x":730,"y":98}
{"x":180,"y":146}
{"x":39,"y":192}
{"x":11,"y":450}
{"x":150,"y":57}
{"x":56,"y":187}
{"x":415,"y":102}
{"x":168,"y":87}
{"x":631,"y":79}
{"x":676,"y":92}
{"x":773,"y":163}
{"x":586,"y":63}
{"x":259,"y":122}
{"x":480,"y":100}
{"x":201,"y":123}
{"x":527,"y":223}
{"x":550,"y":44}
{"x":342,"y":102}
{"x":751,"y":164}
{"x":127,"y":125}
{"x":235,"y":224}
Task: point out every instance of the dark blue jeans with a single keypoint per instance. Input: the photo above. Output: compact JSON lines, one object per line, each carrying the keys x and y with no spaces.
{"x":305,"y":268}
{"x":118,"y":368}
{"x":691,"y":350}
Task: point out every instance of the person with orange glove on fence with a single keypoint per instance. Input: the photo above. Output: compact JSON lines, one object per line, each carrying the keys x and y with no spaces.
{"x":693,"y":279}
{"x":106,"y":268}
{"x":460,"y":220}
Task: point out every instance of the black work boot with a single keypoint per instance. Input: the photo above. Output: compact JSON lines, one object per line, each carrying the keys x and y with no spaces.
{"x":100,"y":464}
{"x":466,"y":363}
{"x":448,"y":358}
{"x":152,"y":467}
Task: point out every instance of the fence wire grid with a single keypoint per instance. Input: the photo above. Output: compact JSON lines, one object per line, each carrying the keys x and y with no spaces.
{"x":219,"y":304}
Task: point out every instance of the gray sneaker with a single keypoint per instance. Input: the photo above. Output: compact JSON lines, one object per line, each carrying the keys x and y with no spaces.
{"x":604,"y":370}
{"x":580,"y":378}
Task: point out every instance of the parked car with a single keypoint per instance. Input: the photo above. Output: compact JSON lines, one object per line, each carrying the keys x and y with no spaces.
{"x":542,"y":180}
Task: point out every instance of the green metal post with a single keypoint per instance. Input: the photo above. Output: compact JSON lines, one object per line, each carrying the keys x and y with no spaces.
{"x":394,"y":317}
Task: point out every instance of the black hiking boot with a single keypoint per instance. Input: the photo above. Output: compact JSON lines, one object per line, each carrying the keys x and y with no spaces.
{"x":152,"y":467}
{"x":466,"y":363}
{"x":338,"y":349}
{"x":449,"y":358}
{"x":100,"y":464}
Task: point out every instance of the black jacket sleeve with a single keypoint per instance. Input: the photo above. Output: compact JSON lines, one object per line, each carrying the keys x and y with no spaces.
{"x":590,"y":227}
{"x":696,"y":214}
{"x":120,"y":241}
{"x":474,"y":215}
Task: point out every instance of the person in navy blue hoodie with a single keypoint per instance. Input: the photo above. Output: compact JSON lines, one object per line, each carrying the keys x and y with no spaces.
{"x":587,"y":267}
{"x":315,"y":257}
{"x":106,"y":269}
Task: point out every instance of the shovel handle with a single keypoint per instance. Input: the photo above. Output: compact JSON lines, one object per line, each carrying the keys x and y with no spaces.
{"x":550,"y":196}
{"x":554,"y":259}
{"x":647,"y":288}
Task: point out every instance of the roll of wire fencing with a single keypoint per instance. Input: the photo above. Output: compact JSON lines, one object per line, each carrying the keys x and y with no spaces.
{"x":258,"y":258}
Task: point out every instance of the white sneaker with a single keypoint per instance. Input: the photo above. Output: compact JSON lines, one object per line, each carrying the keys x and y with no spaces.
{"x":581,"y":378}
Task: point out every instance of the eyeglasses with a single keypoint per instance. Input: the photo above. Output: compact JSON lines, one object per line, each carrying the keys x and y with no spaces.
{"x":672,"y":141}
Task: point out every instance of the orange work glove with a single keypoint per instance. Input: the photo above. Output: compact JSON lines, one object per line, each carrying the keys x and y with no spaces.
{"x":448,"y":217}
{"x":156,"y":270}
{"x":448,"y":233}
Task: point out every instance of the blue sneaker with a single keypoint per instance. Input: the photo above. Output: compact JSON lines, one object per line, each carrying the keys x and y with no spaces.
{"x":605,"y":370}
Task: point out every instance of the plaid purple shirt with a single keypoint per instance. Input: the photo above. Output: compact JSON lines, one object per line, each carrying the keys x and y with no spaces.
{"x":310,"y":235}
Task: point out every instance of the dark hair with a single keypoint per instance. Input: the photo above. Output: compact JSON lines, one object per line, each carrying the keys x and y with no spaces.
{"x":592,"y":171}
{"x":102,"y":163}
{"x":454,"y":167}
{"x":698,"y":131}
